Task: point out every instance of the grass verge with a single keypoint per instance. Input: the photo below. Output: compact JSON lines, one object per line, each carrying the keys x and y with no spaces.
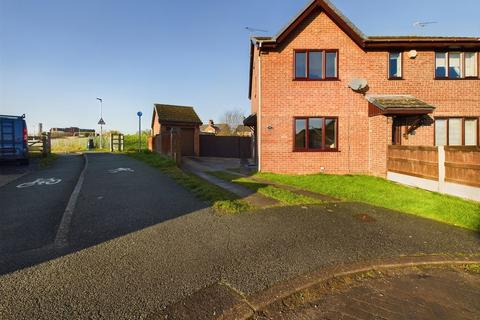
{"x":284,"y":196}
{"x":387,"y":194}
{"x":219,"y":198}
{"x":45,"y":161}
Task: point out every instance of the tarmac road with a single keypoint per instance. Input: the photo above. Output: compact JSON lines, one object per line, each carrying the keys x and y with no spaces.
{"x":138,"y":241}
{"x":29,"y":216}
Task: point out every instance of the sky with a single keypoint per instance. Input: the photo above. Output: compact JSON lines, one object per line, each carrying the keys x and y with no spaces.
{"x":58,"y":56}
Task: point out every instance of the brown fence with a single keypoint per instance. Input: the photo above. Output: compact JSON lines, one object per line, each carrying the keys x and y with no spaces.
{"x":462,"y":165}
{"x":414,"y":161}
{"x":225,"y":147}
{"x":161,"y":143}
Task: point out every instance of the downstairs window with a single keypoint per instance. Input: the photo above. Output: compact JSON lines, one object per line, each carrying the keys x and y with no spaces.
{"x":316,"y":134}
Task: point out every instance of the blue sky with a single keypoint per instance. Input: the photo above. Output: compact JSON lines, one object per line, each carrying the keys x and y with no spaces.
{"x":57,"y":56}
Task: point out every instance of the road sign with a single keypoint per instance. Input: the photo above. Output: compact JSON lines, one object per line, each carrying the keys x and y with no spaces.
{"x":139,"y":113}
{"x":101,"y":122}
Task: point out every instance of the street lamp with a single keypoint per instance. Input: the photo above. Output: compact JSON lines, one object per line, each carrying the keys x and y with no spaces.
{"x":101,"y":122}
{"x":139,"y":114}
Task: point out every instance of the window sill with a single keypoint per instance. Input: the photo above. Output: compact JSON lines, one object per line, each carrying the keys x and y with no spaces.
{"x":306,"y":79}
{"x":396,"y":78}
{"x":315,"y":151}
{"x":457,"y":79}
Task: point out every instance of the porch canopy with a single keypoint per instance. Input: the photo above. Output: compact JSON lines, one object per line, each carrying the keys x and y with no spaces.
{"x":250,"y":121}
{"x":398,"y":105}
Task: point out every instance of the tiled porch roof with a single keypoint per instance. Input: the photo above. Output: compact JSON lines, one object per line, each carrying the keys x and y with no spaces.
{"x":390,"y":104}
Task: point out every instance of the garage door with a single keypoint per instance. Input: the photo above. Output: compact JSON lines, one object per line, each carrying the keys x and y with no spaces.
{"x":188,"y":142}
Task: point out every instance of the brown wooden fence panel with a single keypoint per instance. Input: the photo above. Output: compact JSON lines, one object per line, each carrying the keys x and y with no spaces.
{"x":225,"y":147}
{"x":462,"y":165}
{"x":414,"y":161}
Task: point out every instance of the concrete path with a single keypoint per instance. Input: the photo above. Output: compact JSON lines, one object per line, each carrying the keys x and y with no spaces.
{"x":136,"y":275}
{"x":200,"y":169}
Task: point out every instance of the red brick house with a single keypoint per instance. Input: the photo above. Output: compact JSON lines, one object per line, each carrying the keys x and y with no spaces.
{"x":327,"y":98}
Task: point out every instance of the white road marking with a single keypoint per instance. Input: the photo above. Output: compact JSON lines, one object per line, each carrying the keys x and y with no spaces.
{"x":121,"y":170}
{"x":61,"y":239}
{"x":40,"y":182}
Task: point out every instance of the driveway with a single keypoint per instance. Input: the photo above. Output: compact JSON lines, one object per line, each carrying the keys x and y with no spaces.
{"x":162,"y":259}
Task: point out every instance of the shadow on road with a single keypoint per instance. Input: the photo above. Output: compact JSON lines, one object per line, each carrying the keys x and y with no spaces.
{"x":112,"y":203}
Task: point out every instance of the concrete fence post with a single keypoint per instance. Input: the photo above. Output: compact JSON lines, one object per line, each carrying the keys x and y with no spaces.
{"x":441,"y":169}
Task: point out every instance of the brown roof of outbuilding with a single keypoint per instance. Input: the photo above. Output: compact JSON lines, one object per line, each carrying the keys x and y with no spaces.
{"x":395,"y":103}
{"x":171,"y":113}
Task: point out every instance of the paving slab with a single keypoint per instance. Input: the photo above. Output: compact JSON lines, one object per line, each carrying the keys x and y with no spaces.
{"x":409,"y":293}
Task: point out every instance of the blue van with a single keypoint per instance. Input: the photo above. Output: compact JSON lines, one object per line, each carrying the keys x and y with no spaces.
{"x":14,"y":139}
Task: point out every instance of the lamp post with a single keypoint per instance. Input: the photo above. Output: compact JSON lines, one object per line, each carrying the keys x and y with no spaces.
{"x":101,"y":122}
{"x":139,"y":114}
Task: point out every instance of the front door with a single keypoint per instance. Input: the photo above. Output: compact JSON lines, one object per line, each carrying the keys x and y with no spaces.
{"x":397,"y":132}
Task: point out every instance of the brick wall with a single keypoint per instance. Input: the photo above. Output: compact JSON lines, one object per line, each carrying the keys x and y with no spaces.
{"x":362,"y":140}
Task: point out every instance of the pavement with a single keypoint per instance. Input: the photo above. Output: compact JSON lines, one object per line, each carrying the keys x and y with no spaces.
{"x":201,"y":168}
{"x":396,"y":294}
{"x":138,"y":242}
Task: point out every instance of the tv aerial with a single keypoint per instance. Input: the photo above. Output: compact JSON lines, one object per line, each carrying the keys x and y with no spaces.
{"x":253,"y":30}
{"x":423,"y":24}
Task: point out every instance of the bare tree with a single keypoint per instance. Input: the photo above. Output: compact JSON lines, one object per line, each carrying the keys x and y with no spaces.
{"x":233,"y":119}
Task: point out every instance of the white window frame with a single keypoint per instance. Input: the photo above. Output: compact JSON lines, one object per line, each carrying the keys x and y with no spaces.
{"x":400,"y":64}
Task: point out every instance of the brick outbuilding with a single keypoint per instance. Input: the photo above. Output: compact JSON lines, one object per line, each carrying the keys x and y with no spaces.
{"x":167,"y":117}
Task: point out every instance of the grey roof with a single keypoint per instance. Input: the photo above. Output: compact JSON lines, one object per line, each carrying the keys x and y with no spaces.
{"x":171,"y":113}
{"x":311,"y":2}
{"x":395,"y":102}
{"x":350,"y":24}
{"x":338,"y":12}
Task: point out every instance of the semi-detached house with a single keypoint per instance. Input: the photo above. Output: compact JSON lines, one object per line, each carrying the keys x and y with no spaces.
{"x":327,"y":98}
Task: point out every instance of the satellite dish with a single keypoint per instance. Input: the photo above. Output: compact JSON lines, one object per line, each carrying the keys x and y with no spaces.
{"x":358,"y":84}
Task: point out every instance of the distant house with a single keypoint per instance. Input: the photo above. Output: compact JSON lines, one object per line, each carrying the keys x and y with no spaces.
{"x":223,"y":129}
{"x":209,"y":128}
{"x":166,"y":117}
{"x":71,"y":132}
{"x":243,"y":131}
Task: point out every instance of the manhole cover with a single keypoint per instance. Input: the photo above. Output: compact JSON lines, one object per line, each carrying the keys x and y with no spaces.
{"x":363,"y":217}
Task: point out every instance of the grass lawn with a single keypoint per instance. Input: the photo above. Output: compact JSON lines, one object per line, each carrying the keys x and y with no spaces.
{"x":383,"y":193}
{"x":284,"y":196}
{"x":219,"y":198}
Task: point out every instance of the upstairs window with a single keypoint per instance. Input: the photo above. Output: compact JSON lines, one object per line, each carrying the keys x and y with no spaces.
{"x":316,"y":64}
{"x":395,"y":65}
{"x":456,"y":65}
{"x":315,"y":134}
{"x":471,"y":66}
{"x":440,"y":65}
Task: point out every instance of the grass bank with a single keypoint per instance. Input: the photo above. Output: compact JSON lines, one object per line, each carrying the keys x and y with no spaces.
{"x":44,"y":161}
{"x":284,"y":196}
{"x":219,"y":198}
{"x":384,"y":193}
